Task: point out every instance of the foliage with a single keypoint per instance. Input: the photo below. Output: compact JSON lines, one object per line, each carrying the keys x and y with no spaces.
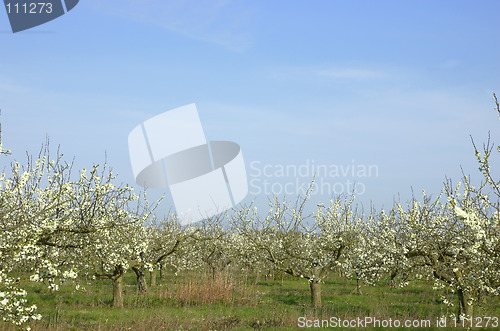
{"x":57,"y":229}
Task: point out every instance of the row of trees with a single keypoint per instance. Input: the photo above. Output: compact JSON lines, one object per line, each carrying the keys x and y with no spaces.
{"x":56,"y":227}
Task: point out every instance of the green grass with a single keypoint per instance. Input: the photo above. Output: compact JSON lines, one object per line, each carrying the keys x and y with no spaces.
{"x":191,"y":301}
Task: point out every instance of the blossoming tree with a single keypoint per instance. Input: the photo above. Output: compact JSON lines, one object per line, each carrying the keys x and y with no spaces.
{"x":291,"y":244}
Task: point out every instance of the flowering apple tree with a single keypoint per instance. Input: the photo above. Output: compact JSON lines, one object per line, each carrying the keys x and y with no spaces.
{"x":291,"y":244}
{"x":30,"y":197}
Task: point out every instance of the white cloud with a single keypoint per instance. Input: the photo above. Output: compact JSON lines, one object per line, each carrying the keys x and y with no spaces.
{"x":350,"y":73}
{"x":449,"y":64}
{"x":12,"y":88}
{"x":135,"y":114}
{"x":222,"y":22}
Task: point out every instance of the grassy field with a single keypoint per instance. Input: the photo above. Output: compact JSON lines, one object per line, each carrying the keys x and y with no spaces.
{"x":194,"y":301}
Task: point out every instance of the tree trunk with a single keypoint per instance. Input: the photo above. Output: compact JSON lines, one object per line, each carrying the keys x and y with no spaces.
{"x":315,"y":293}
{"x":393,"y":277}
{"x":118,"y":287}
{"x":257,"y":277}
{"x":162,"y":271}
{"x":152,"y":278}
{"x":140,"y":272}
{"x":463,"y":304}
{"x":357,"y":290}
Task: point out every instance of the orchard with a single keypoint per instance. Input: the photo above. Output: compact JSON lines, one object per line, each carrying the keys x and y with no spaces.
{"x":58,"y":229}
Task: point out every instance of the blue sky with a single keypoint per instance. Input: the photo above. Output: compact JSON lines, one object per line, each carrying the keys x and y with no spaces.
{"x":396,"y":84}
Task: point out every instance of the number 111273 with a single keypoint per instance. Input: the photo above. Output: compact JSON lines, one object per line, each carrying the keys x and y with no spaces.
{"x":29,"y":8}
